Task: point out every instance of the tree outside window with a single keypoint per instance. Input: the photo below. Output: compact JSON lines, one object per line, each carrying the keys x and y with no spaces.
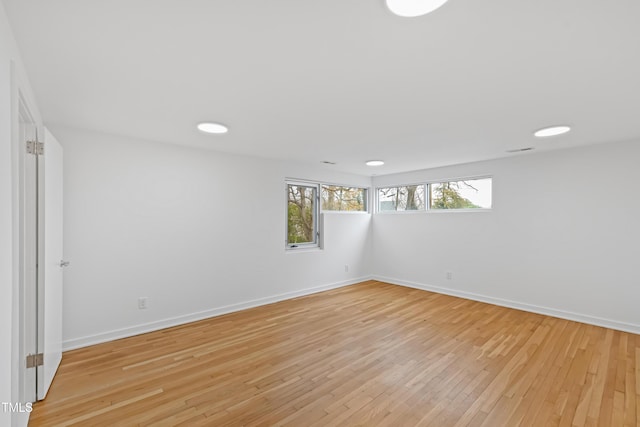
{"x":301,"y":214}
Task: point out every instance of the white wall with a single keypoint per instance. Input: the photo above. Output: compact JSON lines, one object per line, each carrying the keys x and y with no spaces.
{"x":561,"y":238}
{"x":197,"y":232}
{"x":6,"y":208}
{"x":12,"y":78}
{"x":173,"y":224}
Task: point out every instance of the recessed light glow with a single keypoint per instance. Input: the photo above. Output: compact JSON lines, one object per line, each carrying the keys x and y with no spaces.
{"x":375,"y":163}
{"x":209,"y":127}
{"x":552,"y":131}
{"x":411,"y":8}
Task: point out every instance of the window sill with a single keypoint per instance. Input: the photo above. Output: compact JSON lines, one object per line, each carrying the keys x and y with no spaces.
{"x":302,"y":249}
{"x":433,"y":211}
{"x":345,"y":212}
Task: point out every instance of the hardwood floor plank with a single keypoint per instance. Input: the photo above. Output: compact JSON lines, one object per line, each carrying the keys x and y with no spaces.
{"x":370,"y":354}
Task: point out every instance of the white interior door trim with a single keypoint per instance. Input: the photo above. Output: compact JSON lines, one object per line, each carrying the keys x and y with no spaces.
{"x":52,"y":263}
{"x":28,"y":253}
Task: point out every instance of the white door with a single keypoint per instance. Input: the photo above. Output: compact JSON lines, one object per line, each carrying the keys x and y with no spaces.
{"x":50,"y":288}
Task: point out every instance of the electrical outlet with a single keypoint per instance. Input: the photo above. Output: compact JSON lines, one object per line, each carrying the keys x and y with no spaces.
{"x":449,"y":275}
{"x":143,"y":303}
{"x":346,"y":268}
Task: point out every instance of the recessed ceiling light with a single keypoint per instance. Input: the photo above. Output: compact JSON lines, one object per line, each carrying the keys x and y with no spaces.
{"x":375,"y":163}
{"x":209,"y":127}
{"x":411,"y":8}
{"x":551,"y":131}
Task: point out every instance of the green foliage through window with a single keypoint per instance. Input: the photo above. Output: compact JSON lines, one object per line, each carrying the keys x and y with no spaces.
{"x":301,"y":214}
{"x":464,"y":194}
{"x":304,"y":200}
{"x":446,"y":195}
{"x":337,"y":198}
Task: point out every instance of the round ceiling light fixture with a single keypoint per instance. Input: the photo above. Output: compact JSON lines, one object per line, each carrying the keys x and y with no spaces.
{"x":210,"y":127}
{"x":552,"y":131}
{"x":412,"y":8}
{"x":375,"y":163}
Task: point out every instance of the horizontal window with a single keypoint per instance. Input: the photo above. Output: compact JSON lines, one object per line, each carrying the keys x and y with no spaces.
{"x":449,"y":195}
{"x":351,"y":199}
{"x":406,"y":198}
{"x":465,"y":194}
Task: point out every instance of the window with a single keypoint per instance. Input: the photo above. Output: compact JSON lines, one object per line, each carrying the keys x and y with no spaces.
{"x":351,"y":199}
{"x":406,"y":198}
{"x":302,"y":215}
{"x":448,"y":195}
{"x":304,"y":200}
{"x":466,"y":194}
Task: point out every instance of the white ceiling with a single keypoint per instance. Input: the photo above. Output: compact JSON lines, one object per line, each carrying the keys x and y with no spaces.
{"x":344,"y":81}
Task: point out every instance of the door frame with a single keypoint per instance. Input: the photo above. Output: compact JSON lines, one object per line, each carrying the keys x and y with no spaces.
{"x":30,"y":248}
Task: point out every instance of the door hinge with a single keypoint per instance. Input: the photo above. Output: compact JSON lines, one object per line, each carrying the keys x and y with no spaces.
{"x":35,"y":147}
{"x":34,"y":360}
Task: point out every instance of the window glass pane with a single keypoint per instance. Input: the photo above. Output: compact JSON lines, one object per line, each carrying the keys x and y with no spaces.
{"x":467,"y":194}
{"x":336,"y":198}
{"x":407,"y":198}
{"x":301,"y":214}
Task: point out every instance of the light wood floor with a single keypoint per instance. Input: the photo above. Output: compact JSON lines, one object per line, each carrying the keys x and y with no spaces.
{"x":371,"y":354}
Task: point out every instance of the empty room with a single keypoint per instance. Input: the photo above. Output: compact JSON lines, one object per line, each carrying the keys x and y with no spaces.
{"x":319,"y":213}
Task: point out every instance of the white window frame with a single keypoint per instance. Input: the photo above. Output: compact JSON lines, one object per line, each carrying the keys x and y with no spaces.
{"x":427,"y":199}
{"x":316,"y":215}
{"x":428,"y":208}
{"x":367,"y":204}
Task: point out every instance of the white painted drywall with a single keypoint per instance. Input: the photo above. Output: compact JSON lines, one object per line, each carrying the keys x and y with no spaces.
{"x":195,"y":231}
{"x":561,"y":238}
{"x":12,"y":77}
{"x":173,"y":224}
{"x":6,"y":209}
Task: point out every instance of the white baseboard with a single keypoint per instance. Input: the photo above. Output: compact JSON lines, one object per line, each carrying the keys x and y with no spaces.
{"x":577,"y":317}
{"x":75,"y":343}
